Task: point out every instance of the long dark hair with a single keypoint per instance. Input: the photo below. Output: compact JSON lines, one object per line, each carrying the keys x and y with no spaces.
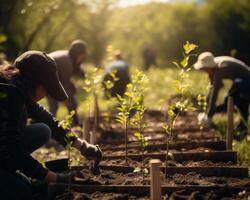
{"x":10,"y":72}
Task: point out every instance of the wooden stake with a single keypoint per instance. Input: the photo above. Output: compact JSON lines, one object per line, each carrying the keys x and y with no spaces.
{"x":86,"y":128}
{"x":92,"y":139}
{"x":96,"y":112}
{"x":155,"y":188}
{"x":230,"y":122}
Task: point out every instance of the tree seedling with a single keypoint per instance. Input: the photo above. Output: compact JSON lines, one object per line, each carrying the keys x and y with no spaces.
{"x":92,"y":85}
{"x":139,"y":81}
{"x":125,"y":105}
{"x":182,"y":104}
{"x":132,"y":104}
{"x":66,"y":124}
{"x":202,"y":103}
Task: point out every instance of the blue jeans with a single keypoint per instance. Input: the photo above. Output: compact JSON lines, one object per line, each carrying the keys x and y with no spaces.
{"x":15,"y":186}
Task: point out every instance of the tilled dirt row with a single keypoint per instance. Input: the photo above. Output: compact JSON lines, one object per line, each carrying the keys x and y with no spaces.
{"x":182,"y":186}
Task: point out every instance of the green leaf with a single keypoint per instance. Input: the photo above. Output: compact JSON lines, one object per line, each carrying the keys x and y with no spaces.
{"x":129,"y":86}
{"x":184,"y":62}
{"x":189,"y":47}
{"x":177,"y":65}
{"x":145,"y":144}
{"x":137,"y":170}
{"x":70,"y":134}
{"x":137,"y":134}
{"x":3,"y":38}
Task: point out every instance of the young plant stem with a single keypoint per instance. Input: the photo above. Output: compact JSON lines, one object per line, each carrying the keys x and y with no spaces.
{"x":169,"y":139}
{"x":96,"y":111}
{"x":142,"y":150}
{"x":69,"y":165}
{"x":166,"y":159}
{"x":66,"y":124}
{"x":96,"y":115}
{"x":181,"y":105}
{"x":126,"y":141}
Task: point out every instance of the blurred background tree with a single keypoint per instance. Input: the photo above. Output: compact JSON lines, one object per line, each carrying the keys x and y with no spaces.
{"x":231,"y":20}
{"x":53,"y":24}
{"x":220,"y":26}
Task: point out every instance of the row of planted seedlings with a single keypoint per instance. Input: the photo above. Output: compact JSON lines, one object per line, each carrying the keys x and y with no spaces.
{"x":125,"y":168}
{"x":212,"y":150}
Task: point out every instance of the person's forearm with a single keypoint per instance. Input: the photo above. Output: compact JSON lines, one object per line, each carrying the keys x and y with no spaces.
{"x":212,"y":101}
{"x":77,"y":143}
{"x":50,"y":177}
{"x":81,"y":144}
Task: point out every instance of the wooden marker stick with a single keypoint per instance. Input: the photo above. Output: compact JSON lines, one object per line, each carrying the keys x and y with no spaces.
{"x":155,"y":188}
{"x":86,"y":129}
{"x":230,"y":122}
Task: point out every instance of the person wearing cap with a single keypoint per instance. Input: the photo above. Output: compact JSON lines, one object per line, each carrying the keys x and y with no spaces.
{"x":32,"y":76}
{"x":120,"y":69}
{"x":68,"y":64}
{"x":221,"y":68}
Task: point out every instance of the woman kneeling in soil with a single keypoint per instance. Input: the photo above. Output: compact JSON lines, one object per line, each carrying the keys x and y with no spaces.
{"x":32,"y":77}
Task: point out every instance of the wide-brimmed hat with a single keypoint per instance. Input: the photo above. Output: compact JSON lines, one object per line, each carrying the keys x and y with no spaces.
{"x":39,"y":67}
{"x":205,"y":60}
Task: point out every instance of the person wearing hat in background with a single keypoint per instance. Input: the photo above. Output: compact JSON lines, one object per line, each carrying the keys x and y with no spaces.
{"x":68,"y":64}
{"x":120,"y":69}
{"x":221,"y":68}
{"x":32,"y":76}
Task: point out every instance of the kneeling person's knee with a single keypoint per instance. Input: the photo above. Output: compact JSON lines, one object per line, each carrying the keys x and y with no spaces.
{"x":45,"y":132}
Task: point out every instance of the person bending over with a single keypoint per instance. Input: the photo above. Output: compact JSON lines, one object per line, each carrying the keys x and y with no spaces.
{"x":68,"y":63}
{"x":221,"y":68}
{"x":120,"y":69}
{"x":32,"y":76}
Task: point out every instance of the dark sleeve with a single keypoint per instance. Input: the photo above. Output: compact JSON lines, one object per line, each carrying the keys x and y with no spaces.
{"x":213,"y":94}
{"x":77,"y":71}
{"x":14,"y":156}
{"x":40,"y":114}
{"x":128,"y":75}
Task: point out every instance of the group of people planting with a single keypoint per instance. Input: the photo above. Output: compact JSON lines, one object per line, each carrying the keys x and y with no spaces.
{"x":30,"y":78}
{"x":35,"y":75}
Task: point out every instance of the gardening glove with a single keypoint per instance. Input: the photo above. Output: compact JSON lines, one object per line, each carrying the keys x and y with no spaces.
{"x":66,"y":177}
{"x":91,"y":152}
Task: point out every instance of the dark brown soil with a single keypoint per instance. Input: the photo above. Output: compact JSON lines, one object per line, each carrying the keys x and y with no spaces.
{"x":179,"y":195}
{"x":133,"y":163}
{"x":107,"y":177}
{"x":105,"y":196}
{"x":224,"y":194}
{"x":136,"y":151}
{"x":186,"y":129}
{"x":113,"y":178}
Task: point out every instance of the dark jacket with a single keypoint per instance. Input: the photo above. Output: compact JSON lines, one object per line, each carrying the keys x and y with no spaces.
{"x":228,"y":68}
{"x":66,"y":69}
{"x":121,"y":70}
{"x":16,"y":107}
